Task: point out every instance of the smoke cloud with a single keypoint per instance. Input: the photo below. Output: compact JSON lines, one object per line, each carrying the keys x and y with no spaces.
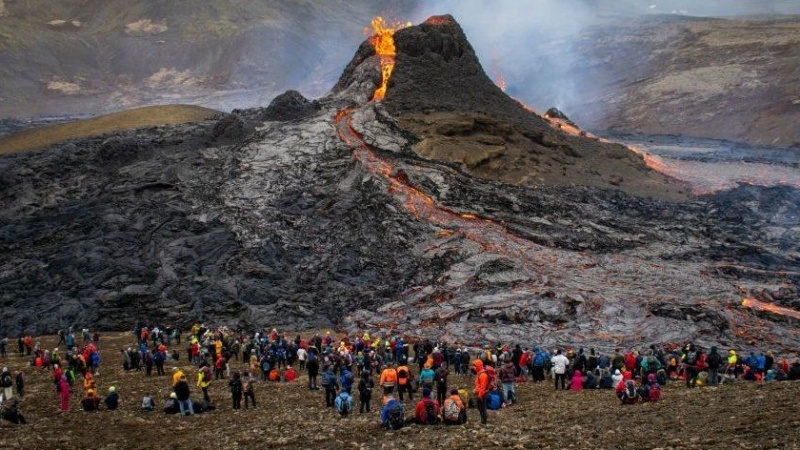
{"x":536,"y":47}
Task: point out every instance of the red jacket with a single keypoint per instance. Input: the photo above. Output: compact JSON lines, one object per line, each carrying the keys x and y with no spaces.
{"x":419,"y":412}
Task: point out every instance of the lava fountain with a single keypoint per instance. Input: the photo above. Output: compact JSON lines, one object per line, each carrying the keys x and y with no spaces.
{"x":383,"y":41}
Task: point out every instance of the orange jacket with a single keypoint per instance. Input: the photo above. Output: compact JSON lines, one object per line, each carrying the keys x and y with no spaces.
{"x":403,"y":381}
{"x":482,"y":380}
{"x":388,"y":377}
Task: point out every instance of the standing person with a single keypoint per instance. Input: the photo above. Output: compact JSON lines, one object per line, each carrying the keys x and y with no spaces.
{"x":248,"y":388}
{"x":302,"y":355}
{"x":714,"y":363}
{"x":690,"y":365}
{"x":560,"y":364}
{"x":183,"y":394}
{"x":365,"y":386}
{"x":441,"y":382}
{"x":20,"y":382}
{"x":388,"y":380}
{"x":219,"y":367}
{"x":481,"y":388}
{"x":313,"y":371}
{"x":64,"y":391}
{"x":404,"y":382}
{"x":204,"y":380}
{"x":7,"y":383}
{"x":236,"y":390}
{"x":508,"y":377}
{"x":330,"y":385}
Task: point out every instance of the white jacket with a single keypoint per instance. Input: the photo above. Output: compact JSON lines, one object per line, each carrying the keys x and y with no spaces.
{"x":560,"y":363}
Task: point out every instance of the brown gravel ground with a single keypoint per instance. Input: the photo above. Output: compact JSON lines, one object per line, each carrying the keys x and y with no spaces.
{"x":742,"y":415}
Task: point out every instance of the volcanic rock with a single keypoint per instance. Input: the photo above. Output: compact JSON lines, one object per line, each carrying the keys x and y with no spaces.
{"x":335,"y":217}
{"x":291,"y":105}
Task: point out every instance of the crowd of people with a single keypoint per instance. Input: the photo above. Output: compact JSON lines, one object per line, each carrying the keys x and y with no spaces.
{"x":357,"y":365}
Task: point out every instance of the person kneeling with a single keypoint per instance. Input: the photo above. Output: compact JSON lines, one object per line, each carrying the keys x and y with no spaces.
{"x":427,"y":411}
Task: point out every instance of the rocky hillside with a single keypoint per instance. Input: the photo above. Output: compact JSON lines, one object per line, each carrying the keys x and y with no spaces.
{"x":730,"y":79}
{"x":326,"y":213}
{"x":628,"y":67}
{"x":84,"y":56}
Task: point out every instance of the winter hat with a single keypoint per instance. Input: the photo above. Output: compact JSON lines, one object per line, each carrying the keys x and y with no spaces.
{"x":426,"y":392}
{"x":112,"y":389}
{"x":617,"y":372}
{"x":173,"y":395}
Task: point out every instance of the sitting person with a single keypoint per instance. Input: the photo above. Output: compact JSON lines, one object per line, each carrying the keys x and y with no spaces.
{"x":651,"y":391}
{"x":626,"y":390}
{"x":344,"y":403}
{"x":171,"y":405}
{"x":577,"y":381}
{"x":606,"y":382}
{"x":454,"y":411}
{"x":10,"y":412}
{"x":427,"y":410}
{"x":392,"y":414}
{"x":590,"y":381}
{"x":112,"y":399}
{"x":148,"y":404}
{"x":91,"y":402}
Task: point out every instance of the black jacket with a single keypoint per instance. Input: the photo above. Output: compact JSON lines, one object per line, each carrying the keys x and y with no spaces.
{"x":182,"y":390}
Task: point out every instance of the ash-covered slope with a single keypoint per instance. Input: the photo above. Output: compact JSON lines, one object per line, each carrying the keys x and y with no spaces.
{"x":325,"y":215}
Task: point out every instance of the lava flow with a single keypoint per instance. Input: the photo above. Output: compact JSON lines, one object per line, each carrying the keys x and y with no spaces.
{"x":383,"y":41}
{"x":758,"y":305}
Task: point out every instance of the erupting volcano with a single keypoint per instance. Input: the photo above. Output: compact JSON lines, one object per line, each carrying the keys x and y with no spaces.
{"x":383,"y":41}
{"x":423,"y":201}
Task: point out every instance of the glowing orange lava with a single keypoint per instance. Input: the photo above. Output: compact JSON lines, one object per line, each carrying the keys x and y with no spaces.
{"x":769,"y":307}
{"x":383,"y":41}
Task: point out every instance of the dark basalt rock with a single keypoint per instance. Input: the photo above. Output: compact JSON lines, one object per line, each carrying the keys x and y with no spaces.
{"x":291,"y":105}
{"x":437,"y":69}
{"x":284,"y":227}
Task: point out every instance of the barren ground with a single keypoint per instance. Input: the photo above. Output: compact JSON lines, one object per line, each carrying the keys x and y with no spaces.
{"x":741,"y":415}
{"x":148,"y":116}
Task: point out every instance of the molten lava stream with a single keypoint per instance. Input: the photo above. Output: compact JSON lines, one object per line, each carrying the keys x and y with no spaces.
{"x":758,"y":305}
{"x":490,"y":235}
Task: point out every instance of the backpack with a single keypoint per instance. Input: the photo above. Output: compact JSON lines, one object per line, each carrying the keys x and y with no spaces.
{"x":538,"y":361}
{"x":7,"y":382}
{"x":652,"y":363}
{"x":206,"y":374}
{"x":430,"y":412}
{"x":348,"y":378}
{"x":495,"y":400}
{"x":452,"y":414}
{"x":402,"y":373}
{"x":328,"y":378}
{"x":395,"y":418}
{"x":343,"y":403}
{"x":465,"y":398}
{"x":691,"y":358}
{"x":492,"y":375}
{"x":630,"y":390}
